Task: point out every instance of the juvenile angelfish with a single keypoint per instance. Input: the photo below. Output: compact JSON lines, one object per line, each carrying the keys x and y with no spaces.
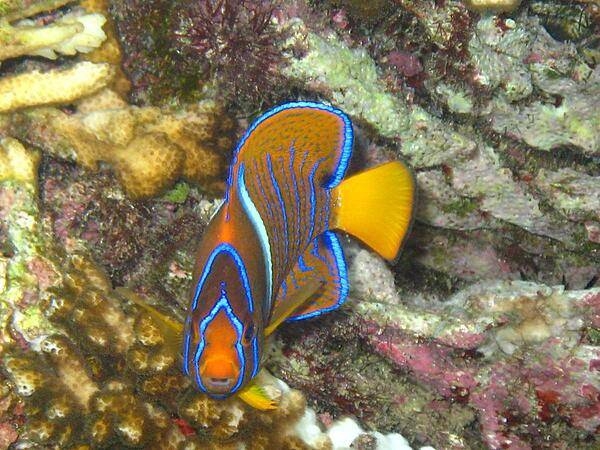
{"x":271,"y":254}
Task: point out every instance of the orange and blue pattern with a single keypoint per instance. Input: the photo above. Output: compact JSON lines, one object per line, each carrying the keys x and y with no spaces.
{"x":270,"y":253}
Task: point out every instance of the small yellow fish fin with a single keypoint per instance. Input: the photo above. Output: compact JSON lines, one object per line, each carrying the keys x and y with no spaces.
{"x":286,"y":308}
{"x":172,"y":330}
{"x":376,"y":206}
{"x":257,"y":397}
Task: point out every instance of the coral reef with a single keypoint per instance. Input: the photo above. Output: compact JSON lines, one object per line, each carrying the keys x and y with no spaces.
{"x":484,"y":334}
{"x":175,"y":49}
{"x":148,"y":148}
{"x":90,"y":370}
{"x":507,"y":355}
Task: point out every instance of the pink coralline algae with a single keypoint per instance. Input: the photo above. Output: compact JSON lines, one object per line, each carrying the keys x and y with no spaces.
{"x":406,"y":63}
{"x":522,"y":356}
{"x":430,"y":362}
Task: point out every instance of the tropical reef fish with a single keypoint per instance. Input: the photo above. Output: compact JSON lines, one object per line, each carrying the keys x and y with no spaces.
{"x":270,"y":253}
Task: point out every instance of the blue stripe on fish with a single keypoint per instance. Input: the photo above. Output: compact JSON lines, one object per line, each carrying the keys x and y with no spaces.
{"x":283,"y":289}
{"x":296,"y":196}
{"x":333,"y":245}
{"x":224,"y":305}
{"x":263,"y":192}
{"x":313,"y":195}
{"x":186,"y":346}
{"x":302,"y":265}
{"x":281,"y":204}
{"x":224,"y":247}
{"x":255,"y":357}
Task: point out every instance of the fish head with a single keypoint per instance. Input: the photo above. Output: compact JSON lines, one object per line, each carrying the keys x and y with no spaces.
{"x":224,"y":335}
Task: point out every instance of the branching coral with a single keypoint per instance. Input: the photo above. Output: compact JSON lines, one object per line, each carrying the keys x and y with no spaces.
{"x":56,"y":86}
{"x":68,"y":35}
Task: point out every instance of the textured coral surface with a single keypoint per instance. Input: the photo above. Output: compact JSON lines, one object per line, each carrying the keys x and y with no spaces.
{"x":116,"y":126}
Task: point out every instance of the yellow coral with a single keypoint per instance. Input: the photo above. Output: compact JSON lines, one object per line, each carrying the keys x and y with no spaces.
{"x":16,"y":163}
{"x":148,"y":148}
{"x":101,"y":100}
{"x":493,"y":5}
{"x":149,"y":164}
{"x":55,"y":86}
{"x":110,"y":50}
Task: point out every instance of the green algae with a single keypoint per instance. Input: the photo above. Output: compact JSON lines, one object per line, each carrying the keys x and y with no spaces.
{"x":353,"y":78}
{"x":593,"y":335}
{"x":18,"y":182}
{"x":178,"y":194}
{"x":461,"y":207}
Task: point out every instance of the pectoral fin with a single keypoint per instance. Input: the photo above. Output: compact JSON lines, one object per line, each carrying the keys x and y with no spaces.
{"x":172,"y":331}
{"x":257,"y":397}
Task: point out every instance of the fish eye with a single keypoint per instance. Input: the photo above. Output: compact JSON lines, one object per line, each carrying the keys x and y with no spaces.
{"x":249,"y":333}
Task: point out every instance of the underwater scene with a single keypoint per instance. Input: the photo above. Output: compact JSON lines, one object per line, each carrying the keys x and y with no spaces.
{"x":300,"y":224}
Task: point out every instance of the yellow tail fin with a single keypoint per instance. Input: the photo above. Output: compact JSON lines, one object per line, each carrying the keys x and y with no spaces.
{"x":377,"y":206}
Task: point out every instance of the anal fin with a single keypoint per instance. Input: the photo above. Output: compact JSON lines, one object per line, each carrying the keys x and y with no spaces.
{"x":319,"y":278}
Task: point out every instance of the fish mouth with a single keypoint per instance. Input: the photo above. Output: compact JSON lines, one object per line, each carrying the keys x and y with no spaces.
{"x":219,"y":376}
{"x":219,"y":386}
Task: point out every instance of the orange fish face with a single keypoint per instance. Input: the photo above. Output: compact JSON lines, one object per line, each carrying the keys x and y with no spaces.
{"x":222,"y":341}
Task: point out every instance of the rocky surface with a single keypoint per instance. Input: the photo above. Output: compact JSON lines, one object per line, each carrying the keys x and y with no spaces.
{"x":484,"y":334}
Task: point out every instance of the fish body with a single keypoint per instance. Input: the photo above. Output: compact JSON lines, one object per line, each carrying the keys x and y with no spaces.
{"x":270,"y":253}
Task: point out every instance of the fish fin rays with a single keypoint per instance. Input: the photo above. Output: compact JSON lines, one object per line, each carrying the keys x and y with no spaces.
{"x":285,"y":309}
{"x":376,"y":206}
{"x":318,"y":283}
{"x":256,"y":396}
{"x":172,"y":330}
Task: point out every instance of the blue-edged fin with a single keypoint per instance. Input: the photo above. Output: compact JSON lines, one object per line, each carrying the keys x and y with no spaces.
{"x":319,"y":278}
{"x":285,"y":308}
{"x":376,"y":206}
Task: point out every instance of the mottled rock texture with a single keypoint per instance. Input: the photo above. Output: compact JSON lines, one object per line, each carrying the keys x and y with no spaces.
{"x":484,"y":334}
